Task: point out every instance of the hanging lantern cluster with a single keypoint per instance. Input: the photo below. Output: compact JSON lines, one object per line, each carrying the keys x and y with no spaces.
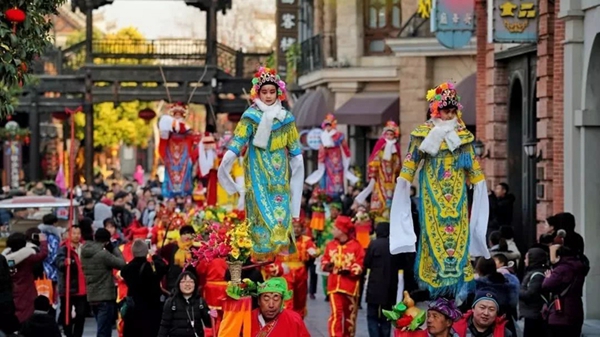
{"x":15,"y":16}
{"x":15,"y":134}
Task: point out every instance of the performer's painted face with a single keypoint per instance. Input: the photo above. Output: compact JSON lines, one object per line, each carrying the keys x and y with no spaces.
{"x":270,"y":305}
{"x":268,"y":94}
{"x":298,"y":229}
{"x":390,"y":135}
{"x":448,"y":114}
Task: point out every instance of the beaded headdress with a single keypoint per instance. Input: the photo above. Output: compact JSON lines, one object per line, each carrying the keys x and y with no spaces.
{"x":264,"y":76}
{"x":393,"y":127}
{"x":443,"y":96}
{"x":329,"y":119}
{"x":178,"y":108}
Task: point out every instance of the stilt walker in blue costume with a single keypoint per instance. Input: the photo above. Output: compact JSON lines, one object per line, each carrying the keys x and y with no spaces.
{"x":444,"y":147}
{"x":273,"y":167}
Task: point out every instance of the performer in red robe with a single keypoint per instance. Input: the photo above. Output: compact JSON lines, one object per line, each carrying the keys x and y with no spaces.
{"x":177,"y":150}
{"x":343,"y":259}
{"x":271,"y":319}
{"x":296,"y":273}
{"x":212,"y":277}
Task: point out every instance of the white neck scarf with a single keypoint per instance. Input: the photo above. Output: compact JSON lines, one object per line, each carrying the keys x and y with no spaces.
{"x":442,"y":130}
{"x":327,"y":137}
{"x":389,"y":149}
{"x":270,"y":112}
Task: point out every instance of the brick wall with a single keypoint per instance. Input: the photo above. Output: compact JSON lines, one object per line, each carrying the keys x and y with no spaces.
{"x":550,"y":128}
{"x":481,"y":35}
{"x":558,"y":121}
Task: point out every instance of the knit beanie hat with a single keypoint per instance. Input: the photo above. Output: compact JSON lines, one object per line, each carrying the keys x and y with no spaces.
{"x":139,"y":248}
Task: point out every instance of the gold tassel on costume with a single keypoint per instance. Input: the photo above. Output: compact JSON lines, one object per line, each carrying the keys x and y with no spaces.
{"x":424,"y":9}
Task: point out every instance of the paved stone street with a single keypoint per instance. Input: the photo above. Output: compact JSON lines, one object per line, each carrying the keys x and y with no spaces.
{"x":316,"y":321}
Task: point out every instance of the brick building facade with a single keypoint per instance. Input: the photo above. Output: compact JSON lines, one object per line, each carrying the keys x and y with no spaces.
{"x":508,"y":122}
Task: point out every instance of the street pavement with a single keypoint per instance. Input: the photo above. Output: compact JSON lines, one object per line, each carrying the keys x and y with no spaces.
{"x":316,"y":320}
{"x":318,"y":314}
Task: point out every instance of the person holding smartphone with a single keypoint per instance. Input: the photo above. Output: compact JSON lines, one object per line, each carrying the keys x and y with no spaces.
{"x":9,"y":322}
{"x":26,"y":257}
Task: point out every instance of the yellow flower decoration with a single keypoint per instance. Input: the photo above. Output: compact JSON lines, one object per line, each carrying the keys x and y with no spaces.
{"x":235,"y":252}
{"x":430,"y":94}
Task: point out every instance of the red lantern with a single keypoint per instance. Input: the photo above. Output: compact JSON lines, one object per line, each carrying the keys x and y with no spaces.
{"x":60,"y":115}
{"x":147,"y":114}
{"x":15,"y":16}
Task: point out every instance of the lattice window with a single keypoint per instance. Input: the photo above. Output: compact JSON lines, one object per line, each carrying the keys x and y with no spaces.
{"x":382,"y":20}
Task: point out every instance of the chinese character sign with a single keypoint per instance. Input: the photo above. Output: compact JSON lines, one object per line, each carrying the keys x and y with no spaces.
{"x":454,"y":22}
{"x":12,"y":163}
{"x":515,"y":21}
{"x":287,"y":31}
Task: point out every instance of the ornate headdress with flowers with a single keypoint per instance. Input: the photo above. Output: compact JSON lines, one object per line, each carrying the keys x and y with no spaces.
{"x":443,"y":96}
{"x":178,"y":107}
{"x":393,"y":127}
{"x":329,"y":119}
{"x":264,"y":76}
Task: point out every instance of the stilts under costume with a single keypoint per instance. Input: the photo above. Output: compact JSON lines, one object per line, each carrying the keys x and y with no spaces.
{"x":384,"y":167}
{"x":334,"y":160}
{"x":447,"y":239}
{"x":176,"y":148}
{"x":272,"y":193}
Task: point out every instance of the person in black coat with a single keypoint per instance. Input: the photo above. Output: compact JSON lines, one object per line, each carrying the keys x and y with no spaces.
{"x":531,"y":297}
{"x":382,"y":284}
{"x":8,"y":321}
{"x":41,"y":323}
{"x":143,"y":290}
{"x":185,"y":314}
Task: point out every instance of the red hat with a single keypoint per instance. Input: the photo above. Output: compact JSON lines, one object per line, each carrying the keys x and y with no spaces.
{"x":139,"y":233}
{"x":345,"y":225}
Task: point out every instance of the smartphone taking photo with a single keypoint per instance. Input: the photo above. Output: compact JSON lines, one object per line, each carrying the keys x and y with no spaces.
{"x":12,"y":266}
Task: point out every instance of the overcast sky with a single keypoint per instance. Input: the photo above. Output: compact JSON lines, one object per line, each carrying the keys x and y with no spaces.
{"x":157,"y":18}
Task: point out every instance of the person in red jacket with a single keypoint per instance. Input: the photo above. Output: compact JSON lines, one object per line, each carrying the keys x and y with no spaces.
{"x":271,"y":318}
{"x":484,"y":320}
{"x":343,"y":259}
{"x":77,"y":291}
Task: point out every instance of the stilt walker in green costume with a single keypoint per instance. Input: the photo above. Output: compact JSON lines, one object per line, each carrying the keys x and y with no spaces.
{"x":444,"y":148}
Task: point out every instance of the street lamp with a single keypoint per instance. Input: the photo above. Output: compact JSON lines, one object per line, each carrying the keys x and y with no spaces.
{"x":480,"y":149}
{"x":530,"y":148}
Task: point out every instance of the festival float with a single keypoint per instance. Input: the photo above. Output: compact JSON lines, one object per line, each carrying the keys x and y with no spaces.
{"x":226,"y":235}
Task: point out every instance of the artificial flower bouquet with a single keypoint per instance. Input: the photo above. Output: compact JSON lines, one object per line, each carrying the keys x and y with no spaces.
{"x":405,"y":316}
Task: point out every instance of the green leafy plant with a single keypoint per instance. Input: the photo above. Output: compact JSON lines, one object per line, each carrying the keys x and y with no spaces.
{"x":292,"y":56}
{"x":21,"y":44}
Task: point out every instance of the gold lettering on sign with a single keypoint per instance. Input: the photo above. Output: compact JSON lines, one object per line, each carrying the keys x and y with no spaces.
{"x":516,"y":27}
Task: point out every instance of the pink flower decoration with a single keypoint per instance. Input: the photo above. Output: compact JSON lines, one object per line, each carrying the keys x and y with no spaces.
{"x":447,"y":174}
{"x":449,"y":229}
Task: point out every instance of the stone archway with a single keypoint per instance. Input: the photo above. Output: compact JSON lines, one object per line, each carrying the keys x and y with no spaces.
{"x":589,"y":221}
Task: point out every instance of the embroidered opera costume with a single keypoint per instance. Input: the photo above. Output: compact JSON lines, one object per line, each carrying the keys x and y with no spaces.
{"x":334,"y":161}
{"x":384,"y":167}
{"x":448,"y":238}
{"x":176,"y":148}
{"x":273,"y":167}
